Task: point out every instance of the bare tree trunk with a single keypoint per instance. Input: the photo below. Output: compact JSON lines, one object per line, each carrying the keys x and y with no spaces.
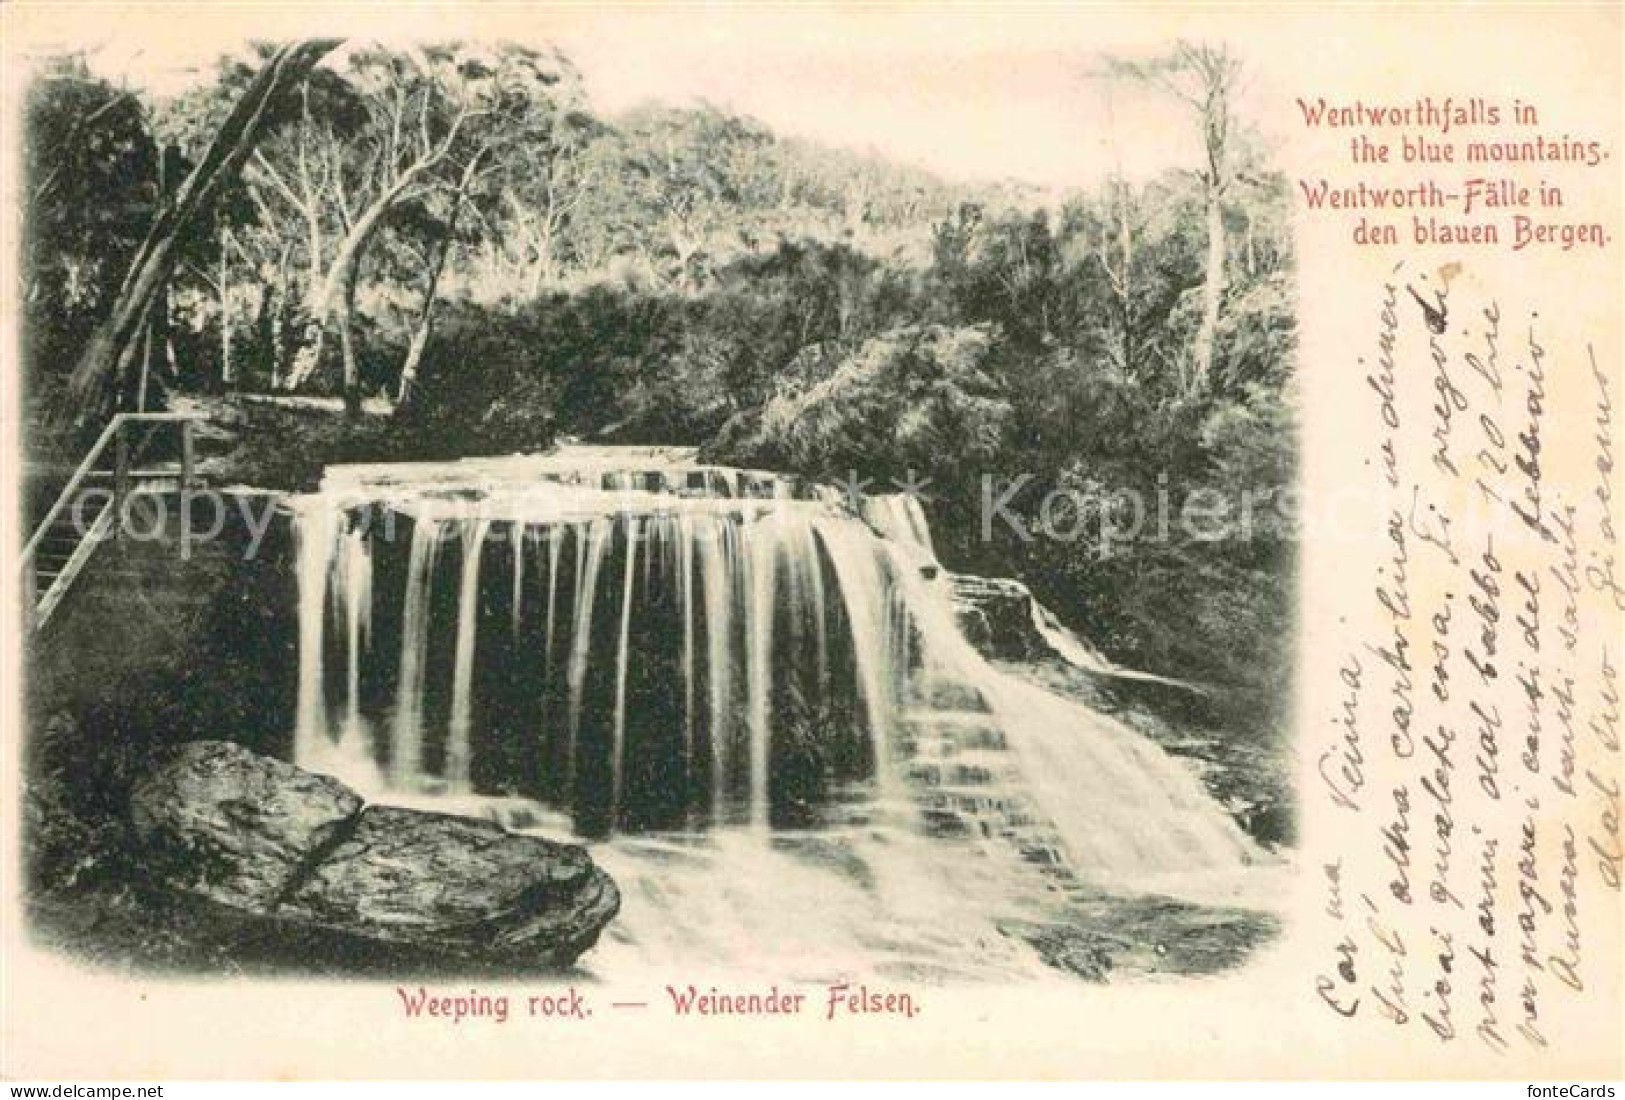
{"x":352,"y":367}
{"x":262,"y":338}
{"x":1119,"y":275}
{"x":1203,"y":77}
{"x":1212,"y":286}
{"x":157,"y":351}
{"x":338,"y":289}
{"x":342,"y":274}
{"x":314,"y":331}
{"x":95,"y":385}
{"x":424,"y":331}
{"x":407,"y":387}
{"x":437,"y":263}
{"x":339,"y":293}
{"x":158,"y":318}
{"x":281,"y":319}
{"x":1216,"y":70}
{"x":1125,"y":274}
{"x":227,"y":375}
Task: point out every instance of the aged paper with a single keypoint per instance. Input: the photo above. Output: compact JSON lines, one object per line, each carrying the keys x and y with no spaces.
{"x":1146,"y":602}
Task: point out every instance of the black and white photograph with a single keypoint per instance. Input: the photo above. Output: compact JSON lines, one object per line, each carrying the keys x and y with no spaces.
{"x":929,"y":532}
{"x":515,"y":529}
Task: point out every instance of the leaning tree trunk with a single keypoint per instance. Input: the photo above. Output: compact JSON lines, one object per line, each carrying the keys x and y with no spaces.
{"x":104,"y":365}
{"x":338,"y":293}
{"x":425,"y":327}
{"x":437,"y":263}
{"x":337,"y":296}
{"x":158,"y":351}
{"x":340,"y":281}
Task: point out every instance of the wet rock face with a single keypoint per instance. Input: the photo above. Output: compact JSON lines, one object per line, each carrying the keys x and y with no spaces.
{"x":997,"y":617}
{"x":232,"y":826}
{"x":275,"y":842}
{"x":460,"y":887}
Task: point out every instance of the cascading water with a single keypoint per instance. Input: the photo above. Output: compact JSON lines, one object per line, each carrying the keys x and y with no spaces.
{"x":314,"y":524}
{"x":696,"y":629}
{"x":899,"y":517}
{"x":656,"y":648}
{"x":334,"y":566}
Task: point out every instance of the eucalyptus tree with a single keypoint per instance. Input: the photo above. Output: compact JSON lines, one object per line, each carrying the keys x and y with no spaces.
{"x":257,"y":247}
{"x":405,"y":135}
{"x":688,"y":174}
{"x":533,"y":233}
{"x":105,"y":361}
{"x":1205,"y":79}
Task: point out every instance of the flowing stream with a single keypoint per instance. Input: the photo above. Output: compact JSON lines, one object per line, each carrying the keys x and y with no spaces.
{"x":752,"y":700}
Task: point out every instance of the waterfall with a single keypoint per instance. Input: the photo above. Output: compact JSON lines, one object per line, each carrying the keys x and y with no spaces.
{"x":553,"y":543}
{"x":858,"y":560}
{"x":406,"y":743}
{"x":462,"y":699}
{"x":1123,"y":808}
{"x":334,"y":567}
{"x":516,"y":535}
{"x":766,"y":650}
{"x":314,"y":524}
{"x":617,"y":752}
{"x":716,"y":566}
{"x":589,"y":561}
{"x":761,"y":573}
{"x":353,"y":591}
{"x":685,"y":603}
{"x":900,"y":518}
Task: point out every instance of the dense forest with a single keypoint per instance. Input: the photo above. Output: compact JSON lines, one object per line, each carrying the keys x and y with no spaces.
{"x":453,"y":240}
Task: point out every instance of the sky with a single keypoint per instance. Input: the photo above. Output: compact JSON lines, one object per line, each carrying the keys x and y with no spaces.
{"x":980,"y":110}
{"x":968,"y":96}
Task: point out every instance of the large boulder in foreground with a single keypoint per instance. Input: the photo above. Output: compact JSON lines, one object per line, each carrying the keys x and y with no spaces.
{"x":233,"y":826}
{"x":274,"y":842}
{"x":458,"y":887}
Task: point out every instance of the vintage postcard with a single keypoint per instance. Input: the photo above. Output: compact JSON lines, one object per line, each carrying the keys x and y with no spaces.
{"x":770,"y":542}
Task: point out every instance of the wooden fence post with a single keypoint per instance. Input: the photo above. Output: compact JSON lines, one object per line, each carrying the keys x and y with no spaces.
{"x":121,"y":475}
{"x":188,"y":459}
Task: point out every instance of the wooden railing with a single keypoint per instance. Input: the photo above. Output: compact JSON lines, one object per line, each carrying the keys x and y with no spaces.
{"x":66,"y":537}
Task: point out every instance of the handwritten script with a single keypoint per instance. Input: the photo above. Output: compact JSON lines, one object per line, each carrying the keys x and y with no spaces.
{"x":1471,"y":762}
